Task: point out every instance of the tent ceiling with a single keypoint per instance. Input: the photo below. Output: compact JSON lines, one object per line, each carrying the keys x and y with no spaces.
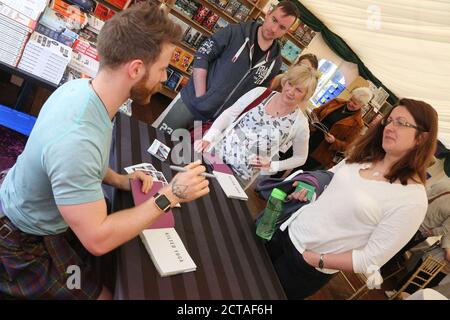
{"x":405,"y":43}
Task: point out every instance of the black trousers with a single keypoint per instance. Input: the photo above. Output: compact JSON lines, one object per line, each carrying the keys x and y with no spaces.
{"x":298,"y":278}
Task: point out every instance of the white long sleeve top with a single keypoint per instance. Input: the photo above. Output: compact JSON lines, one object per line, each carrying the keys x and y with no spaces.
{"x":373,"y":219}
{"x":298,"y":136}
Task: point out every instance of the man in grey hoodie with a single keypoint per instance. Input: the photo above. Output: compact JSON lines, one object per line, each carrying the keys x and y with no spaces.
{"x":232,"y":62}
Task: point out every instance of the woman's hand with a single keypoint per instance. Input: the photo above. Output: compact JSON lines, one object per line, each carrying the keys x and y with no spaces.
{"x":329,"y":138}
{"x":260,"y":162}
{"x":298,"y":195}
{"x":311,"y":258}
{"x":201,"y":145}
{"x":147,"y":181}
{"x":187,"y":186}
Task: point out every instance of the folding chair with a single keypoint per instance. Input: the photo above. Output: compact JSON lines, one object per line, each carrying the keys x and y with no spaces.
{"x":423,"y":275}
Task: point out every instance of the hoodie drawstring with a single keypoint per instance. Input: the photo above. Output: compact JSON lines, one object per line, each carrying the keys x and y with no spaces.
{"x":238,"y":53}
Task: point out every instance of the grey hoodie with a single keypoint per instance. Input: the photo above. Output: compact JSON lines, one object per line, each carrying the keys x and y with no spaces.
{"x":227,"y":57}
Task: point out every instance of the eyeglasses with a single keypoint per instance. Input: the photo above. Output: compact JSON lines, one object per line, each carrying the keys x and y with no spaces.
{"x":399,"y":123}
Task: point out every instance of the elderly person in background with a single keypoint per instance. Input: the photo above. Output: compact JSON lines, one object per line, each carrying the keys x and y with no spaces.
{"x":248,"y":142}
{"x":308,"y":60}
{"x":343,"y":121}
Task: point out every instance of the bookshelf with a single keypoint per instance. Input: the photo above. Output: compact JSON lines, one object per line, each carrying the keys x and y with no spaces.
{"x":182,"y":10}
{"x":201,"y":25}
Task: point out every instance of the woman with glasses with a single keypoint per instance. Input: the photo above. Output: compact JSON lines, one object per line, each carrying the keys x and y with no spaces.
{"x":374,"y":204}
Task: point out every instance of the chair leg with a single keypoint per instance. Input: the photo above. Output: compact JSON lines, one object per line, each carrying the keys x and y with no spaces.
{"x":357,"y":293}
{"x":348,"y":281}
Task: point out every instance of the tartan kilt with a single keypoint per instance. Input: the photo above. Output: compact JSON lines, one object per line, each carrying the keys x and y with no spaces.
{"x":36,"y":267}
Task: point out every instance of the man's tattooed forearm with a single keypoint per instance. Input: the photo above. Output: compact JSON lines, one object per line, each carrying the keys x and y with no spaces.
{"x":179,"y":190}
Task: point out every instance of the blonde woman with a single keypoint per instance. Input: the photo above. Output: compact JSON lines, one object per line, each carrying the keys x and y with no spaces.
{"x":249,"y":142}
{"x":308,"y":60}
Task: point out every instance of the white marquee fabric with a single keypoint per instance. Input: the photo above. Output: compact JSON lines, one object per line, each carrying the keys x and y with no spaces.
{"x":404,"y":43}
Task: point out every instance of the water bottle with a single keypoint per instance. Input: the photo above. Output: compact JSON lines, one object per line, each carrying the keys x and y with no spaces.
{"x":266,"y":225}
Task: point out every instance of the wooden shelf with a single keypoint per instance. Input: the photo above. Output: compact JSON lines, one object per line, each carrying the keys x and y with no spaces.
{"x":167,"y":92}
{"x":250,"y":3}
{"x":108,"y":5}
{"x":293,"y":38}
{"x":189,"y":21}
{"x":221,"y":12}
{"x":187,"y":74}
{"x":187,"y":47}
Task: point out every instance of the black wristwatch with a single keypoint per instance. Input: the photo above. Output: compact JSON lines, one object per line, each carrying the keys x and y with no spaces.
{"x":162,"y":202}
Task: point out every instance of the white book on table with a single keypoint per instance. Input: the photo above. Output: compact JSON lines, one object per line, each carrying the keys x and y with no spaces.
{"x":167,"y":251}
{"x":230,"y":185}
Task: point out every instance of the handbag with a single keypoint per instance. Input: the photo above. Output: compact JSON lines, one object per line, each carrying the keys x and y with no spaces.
{"x":207,"y":124}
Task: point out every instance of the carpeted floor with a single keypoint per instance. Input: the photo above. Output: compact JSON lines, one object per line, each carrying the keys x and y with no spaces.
{"x":12,"y":144}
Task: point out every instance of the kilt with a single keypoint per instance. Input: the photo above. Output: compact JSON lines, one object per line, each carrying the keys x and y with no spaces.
{"x":42,"y":267}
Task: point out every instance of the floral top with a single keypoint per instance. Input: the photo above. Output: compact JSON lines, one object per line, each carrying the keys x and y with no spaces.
{"x":257,"y":133}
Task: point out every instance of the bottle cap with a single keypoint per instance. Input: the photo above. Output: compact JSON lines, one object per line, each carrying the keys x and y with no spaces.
{"x":278,"y":194}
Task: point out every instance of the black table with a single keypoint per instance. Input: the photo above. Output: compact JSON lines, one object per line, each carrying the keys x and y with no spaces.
{"x":218,"y":233}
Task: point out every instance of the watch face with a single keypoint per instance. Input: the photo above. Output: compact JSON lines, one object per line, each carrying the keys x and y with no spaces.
{"x":162,"y":202}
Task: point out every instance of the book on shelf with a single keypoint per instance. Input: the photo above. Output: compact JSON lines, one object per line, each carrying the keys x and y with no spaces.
{"x":119,"y":4}
{"x":45,"y":58}
{"x":210,"y":20}
{"x":63,"y":37}
{"x":221,"y":23}
{"x":201,"y":14}
{"x":84,"y":64}
{"x":176,"y":56}
{"x":185,"y":61}
{"x":173,"y":81}
{"x":166,"y":220}
{"x":167,"y":251}
{"x":184,"y":26}
{"x":95,"y":24}
{"x":101,"y":12}
{"x":16,"y":18}
{"x":187,"y":7}
{"x":183,"y":82}
{"x":290,"y":51}
{"x":232,"y":7}
{"x":73,"y":14}
{"x":222,"y":4}
{"x":242,"y":13}
{"x":169,"y":71}
{"x":29,"y":8}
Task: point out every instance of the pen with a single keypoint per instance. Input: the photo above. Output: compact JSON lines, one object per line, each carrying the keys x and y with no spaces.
{"x":181,"y":169}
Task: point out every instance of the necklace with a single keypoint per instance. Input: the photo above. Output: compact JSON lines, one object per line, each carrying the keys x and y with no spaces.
{"x":104,"y":105}
{"x":376,"y":173}
{"x":282,"y":114}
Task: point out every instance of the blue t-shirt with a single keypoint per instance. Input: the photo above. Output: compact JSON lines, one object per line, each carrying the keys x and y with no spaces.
{"x":63,"y":163}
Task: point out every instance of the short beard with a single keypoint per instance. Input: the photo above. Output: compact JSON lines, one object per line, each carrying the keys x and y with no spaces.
{"x":140,"y":94}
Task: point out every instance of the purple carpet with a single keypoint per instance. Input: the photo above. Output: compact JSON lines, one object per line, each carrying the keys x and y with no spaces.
{"x":12,"y":144}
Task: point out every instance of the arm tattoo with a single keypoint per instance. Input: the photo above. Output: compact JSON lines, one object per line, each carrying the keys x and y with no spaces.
{"x":179,"y":190}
